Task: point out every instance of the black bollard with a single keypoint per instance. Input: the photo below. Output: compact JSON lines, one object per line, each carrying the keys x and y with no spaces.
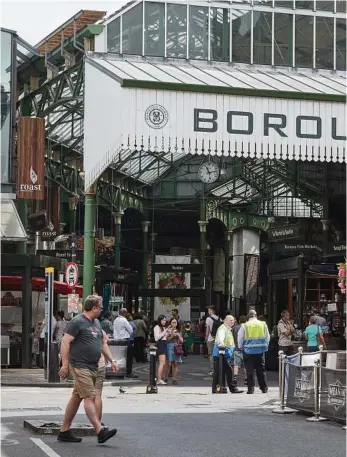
{"x":53,"y":371}
{"x":152,"y":386}
{"x":221,"y":389}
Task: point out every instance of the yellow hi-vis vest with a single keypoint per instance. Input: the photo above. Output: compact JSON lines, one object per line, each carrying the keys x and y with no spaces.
{"x":254,"y":337}
{"x":228,"y":341}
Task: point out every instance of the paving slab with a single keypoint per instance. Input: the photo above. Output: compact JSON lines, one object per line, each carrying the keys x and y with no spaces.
{"x":40,"y":427}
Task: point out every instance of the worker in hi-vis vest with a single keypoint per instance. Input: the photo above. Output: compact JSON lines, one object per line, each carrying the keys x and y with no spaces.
{"x":224,"y":339}
{"x":253,"y":337}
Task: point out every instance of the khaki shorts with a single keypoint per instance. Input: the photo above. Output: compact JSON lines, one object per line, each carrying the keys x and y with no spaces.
{"x":84,"y":382}
{"x":100,"y":378}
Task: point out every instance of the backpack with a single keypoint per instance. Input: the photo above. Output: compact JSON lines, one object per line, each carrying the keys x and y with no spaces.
{"x":216,"y":324}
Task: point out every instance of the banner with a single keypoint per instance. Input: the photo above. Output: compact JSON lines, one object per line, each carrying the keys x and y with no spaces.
{"x":31,"y":158}
{"x":333,"y":394}
{"x":172,"y":280}
{"x":300,"y":393}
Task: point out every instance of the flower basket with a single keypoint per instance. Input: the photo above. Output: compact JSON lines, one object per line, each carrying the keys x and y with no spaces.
{"x":341,"y":277}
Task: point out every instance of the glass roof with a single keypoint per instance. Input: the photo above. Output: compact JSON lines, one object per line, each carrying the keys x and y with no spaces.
{"x":222,"y":75}
{"x":11,"y":225}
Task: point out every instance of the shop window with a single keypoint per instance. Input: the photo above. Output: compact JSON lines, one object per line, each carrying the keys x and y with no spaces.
{"x":341,"y":44}
{"x":198,"y":32}
{"x":113,"y":36}
{"x":132,"y":31}
{"x":283,"y":40}
{"x":262,"y":38}
{"x":176,"y":45}
{"x":241,"y":31}
{"x":220,"y":34}
{"x":325,"y":42}
{"x":303,"y":41}
{"x":154,"y":29}
{"x":6,"y":101}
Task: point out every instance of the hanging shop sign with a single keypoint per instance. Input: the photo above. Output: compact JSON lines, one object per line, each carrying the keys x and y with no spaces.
{"x":177,"y":268}
{"x":49,"y":233}
{"x":65,"y":254}
{"x":298,"y":247}
{"x":337,"y":249}
{"x":38,"y":221}
{"x":287,"y":232}
{"x":71,"y":274}
{"x":31,"y":158}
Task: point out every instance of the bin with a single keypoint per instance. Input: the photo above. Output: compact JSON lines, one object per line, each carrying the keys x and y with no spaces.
{"x":119,"y":350}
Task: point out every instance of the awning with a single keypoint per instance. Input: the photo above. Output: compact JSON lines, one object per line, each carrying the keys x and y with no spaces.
{"x":38,"y":284}
{"x":172,"y":108}
{"x":11,"y":227}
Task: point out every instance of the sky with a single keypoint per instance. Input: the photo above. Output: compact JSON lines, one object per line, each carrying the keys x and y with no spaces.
{"x":34,"y":20}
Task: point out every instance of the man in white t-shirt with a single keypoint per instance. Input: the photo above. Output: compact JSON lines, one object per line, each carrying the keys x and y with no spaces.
{"x":212,"y":316}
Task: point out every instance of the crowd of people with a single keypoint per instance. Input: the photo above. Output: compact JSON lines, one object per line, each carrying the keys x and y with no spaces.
{"x":237,"y":344}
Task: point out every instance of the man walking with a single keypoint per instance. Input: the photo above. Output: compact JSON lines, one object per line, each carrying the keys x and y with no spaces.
{"x":254,"y":338}
{"x":122,"y":330}
{"x":81,"y":350}
{"x":224,"y":339}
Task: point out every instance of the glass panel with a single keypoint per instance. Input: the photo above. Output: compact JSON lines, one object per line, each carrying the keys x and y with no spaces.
{"x":6,"y":101}
{"x":262,"y":37}
{"x":303,"y":41}
{"x":324,"y":42}
{"x":304,"y":5}
{"x":283,"y":40}
{"x":220,"y":34}
{"x":284,"y":3}
{"x":154,"y":29}
{"x":132,"y":31}
{"x":198,"y":32}
{"x":241,"y":29}
{"x":341,"y":6}
{"x":325,"y":5}
{"x":340,"y":44}
{"x":113,"y":36}
{"x":176,"y":45}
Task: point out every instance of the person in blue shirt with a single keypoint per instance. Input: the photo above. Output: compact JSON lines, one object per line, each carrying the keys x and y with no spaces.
{"x":314,"y":335}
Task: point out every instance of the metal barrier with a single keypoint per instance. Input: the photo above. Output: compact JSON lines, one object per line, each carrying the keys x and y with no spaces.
{"x":119,"y":350}
{"x":306,"y":385}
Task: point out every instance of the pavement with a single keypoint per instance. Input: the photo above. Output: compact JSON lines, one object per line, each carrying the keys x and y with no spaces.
{"x":193,"y":371}
{"x":184,"y":421}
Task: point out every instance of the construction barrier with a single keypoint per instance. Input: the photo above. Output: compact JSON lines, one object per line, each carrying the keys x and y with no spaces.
{"x":308,"y":386}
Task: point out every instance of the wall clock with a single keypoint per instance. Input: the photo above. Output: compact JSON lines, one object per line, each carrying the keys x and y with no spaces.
{"x":208,"y":172}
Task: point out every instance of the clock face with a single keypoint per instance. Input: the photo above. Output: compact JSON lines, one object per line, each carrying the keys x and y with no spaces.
{"x":208,"y":172}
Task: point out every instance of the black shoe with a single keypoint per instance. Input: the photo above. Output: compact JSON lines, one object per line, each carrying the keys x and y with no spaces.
{"x":68,"y":437}
{"x":105,"y":434}
{"x":265,"y":391}
{"x":250,"y":391}
{"x":235,"y":390}
{"x":131,"y":376}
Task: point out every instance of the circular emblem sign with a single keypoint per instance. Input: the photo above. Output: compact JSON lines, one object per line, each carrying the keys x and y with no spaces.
{"x":71,"y":274}
{"x":156,"y":116}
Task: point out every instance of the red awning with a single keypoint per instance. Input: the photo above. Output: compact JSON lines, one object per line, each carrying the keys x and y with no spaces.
{"x":38,"y":284}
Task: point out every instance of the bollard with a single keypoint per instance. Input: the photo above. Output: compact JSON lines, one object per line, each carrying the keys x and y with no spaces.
{"x":316,"y":380}
{"x":280,"y":374}
{"x":152,"y":386}
{"x":220,"y":388}
{"x":300,"y":350}
{"x":282,"y":370}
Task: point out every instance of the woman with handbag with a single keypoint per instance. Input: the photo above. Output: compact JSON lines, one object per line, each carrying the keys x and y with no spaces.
{"x":174,"y":350}
{"x":160,"y":336}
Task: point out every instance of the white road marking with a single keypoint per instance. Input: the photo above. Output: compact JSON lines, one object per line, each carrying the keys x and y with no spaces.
{"x":44,"y":447}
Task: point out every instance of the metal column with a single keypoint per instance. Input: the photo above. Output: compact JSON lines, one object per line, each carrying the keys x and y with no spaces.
{"x":89,"y":243}
{"x":117,"y":237}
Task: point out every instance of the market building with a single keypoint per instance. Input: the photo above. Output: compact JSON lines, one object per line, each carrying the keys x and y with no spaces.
{"x":199,"y":144}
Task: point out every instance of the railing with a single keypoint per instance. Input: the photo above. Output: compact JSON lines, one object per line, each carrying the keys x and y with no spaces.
{"x":313,"y":383}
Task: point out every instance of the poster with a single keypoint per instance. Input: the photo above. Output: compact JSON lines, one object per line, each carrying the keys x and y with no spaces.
{"x":73,"y":304}
{"x":172,"y":280}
